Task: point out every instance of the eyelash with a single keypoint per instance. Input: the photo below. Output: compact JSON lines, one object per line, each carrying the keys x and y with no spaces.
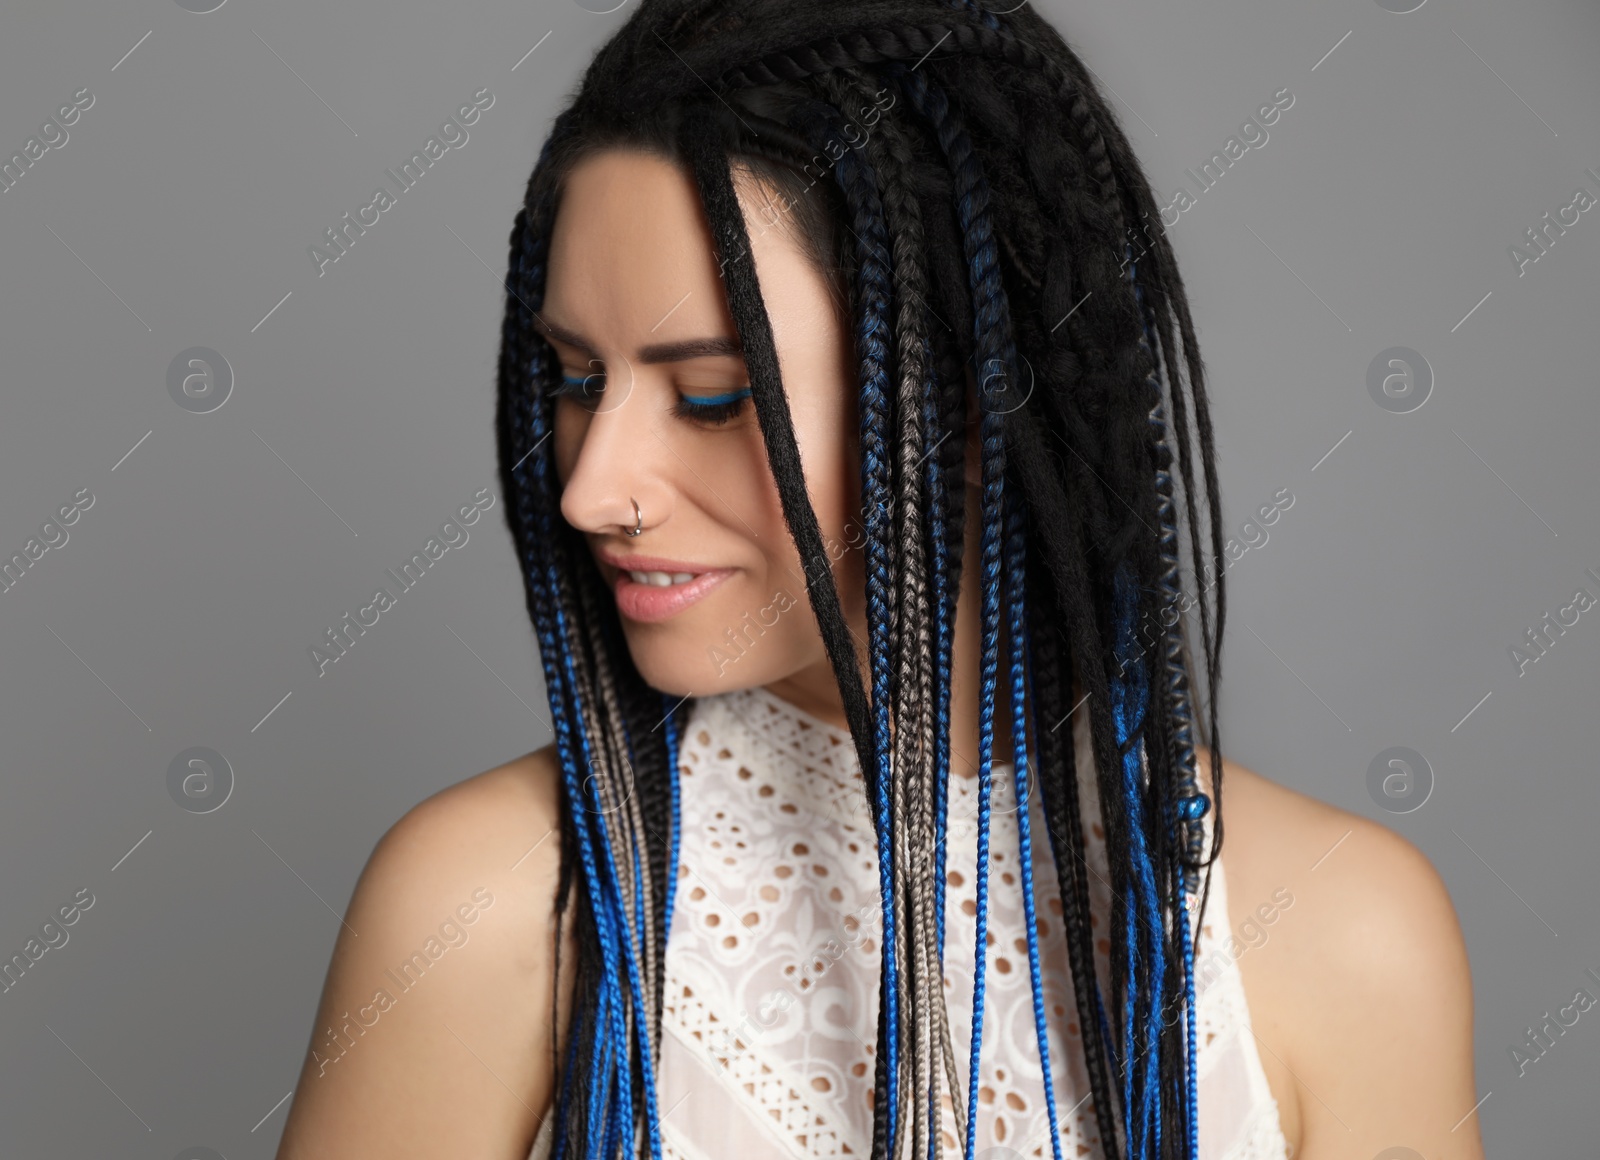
{"x":720,"y":410}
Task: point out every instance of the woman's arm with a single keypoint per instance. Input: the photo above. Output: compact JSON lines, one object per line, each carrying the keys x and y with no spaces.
{"x":433,"y":1035}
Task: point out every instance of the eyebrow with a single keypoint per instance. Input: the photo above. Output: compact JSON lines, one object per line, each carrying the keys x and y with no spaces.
{"x":660,"y":352}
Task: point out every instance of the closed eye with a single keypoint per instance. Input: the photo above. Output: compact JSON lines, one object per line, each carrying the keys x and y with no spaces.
{"x":716,"y":409}
{"x":712,"y":408}
{"x":585,"y":389}
{"x":579,"y":385}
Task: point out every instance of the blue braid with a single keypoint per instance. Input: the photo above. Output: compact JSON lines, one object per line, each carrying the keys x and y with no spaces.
{"x":604,"y":895}
{"x":985,"y":748}
{"x":944,"y":614}
{"x":1190,"y":805}
{"x":989,"y":19}
{"x":1129,"y":932}
{"x":994,"y":346}
{"x":613,"y":903}
{"x":1191,"y":1126}
{"x":1021,"y":700}
{"x":559,"y":681}
{"x":674,"y":792}
{"x":599,"y":1067}
{"x":1143,"y":929}
{"x":608,"y":1146}
{"x":564,"y":1099}
{"x":872,"y":342}
{"x":639,"y":920}
{"x":630,"y":963}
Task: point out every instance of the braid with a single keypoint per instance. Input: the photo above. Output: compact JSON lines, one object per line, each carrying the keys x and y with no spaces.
{"x":889,"y":155}
{"x":887,"y":796}
{"x":989,"y":210}
{"x":945,"y":412}
{"x":1016,"y":607}
{"x":993,"y":345}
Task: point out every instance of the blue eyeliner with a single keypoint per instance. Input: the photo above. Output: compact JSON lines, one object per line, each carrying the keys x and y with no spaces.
{"x":716,"y":409}
{"x":693,"y":400}
{"x":716,"y":400}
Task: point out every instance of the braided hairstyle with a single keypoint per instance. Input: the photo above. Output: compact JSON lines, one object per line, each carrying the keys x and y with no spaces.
{"x":991,"y":225}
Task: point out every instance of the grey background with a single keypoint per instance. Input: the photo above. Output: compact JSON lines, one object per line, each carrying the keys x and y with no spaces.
{"x":220,"y":546}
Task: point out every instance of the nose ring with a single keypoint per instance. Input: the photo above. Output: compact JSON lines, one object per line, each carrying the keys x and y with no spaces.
{"x":638,"y":519}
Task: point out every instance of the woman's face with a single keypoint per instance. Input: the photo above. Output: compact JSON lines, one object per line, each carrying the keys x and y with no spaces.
{"x":634,"y":304}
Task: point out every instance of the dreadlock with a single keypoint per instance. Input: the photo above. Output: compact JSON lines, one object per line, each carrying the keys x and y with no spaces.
{"x":989,"y":225}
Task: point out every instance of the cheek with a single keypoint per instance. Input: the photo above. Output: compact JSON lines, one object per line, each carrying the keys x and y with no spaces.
{"x":566,"y":439}
{"x":733,"y":481}
{"x":829,"y":456}
{"x":834,"y":474}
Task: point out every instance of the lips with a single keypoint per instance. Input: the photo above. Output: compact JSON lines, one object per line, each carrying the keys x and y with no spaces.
{"x":635,"y":563}
{"x":654,"y":602}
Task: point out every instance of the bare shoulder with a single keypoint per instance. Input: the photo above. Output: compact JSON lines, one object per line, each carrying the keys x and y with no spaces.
{"x":433,"y":1034}
{"x":1357,"y":978}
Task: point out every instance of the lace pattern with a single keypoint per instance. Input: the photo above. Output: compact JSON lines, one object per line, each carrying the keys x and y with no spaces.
{"x":772,"y":965}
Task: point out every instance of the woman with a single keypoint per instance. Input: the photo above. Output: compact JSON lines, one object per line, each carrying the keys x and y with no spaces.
{"x":838,"y":395}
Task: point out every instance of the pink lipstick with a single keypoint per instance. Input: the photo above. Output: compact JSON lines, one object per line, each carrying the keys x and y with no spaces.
{"x":652,"y":602}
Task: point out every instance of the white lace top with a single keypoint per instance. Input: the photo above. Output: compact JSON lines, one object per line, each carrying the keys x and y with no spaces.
{"x":771,"y":1002}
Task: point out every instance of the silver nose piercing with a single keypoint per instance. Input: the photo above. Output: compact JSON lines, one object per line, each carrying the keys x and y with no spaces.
{"x":638,"y":519}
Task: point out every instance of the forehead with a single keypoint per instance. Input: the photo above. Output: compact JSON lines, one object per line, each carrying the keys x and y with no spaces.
{"x":631,"y":254}
{"x":630,"y":242}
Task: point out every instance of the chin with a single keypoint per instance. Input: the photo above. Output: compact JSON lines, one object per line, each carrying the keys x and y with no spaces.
{"x":668,"y":670}
{"x":676,"y":679}
{"x":680,"y":656}
{"x":724,"y":645}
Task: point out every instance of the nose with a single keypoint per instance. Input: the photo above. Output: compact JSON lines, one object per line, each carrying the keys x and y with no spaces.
{"x":619,"y":461}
